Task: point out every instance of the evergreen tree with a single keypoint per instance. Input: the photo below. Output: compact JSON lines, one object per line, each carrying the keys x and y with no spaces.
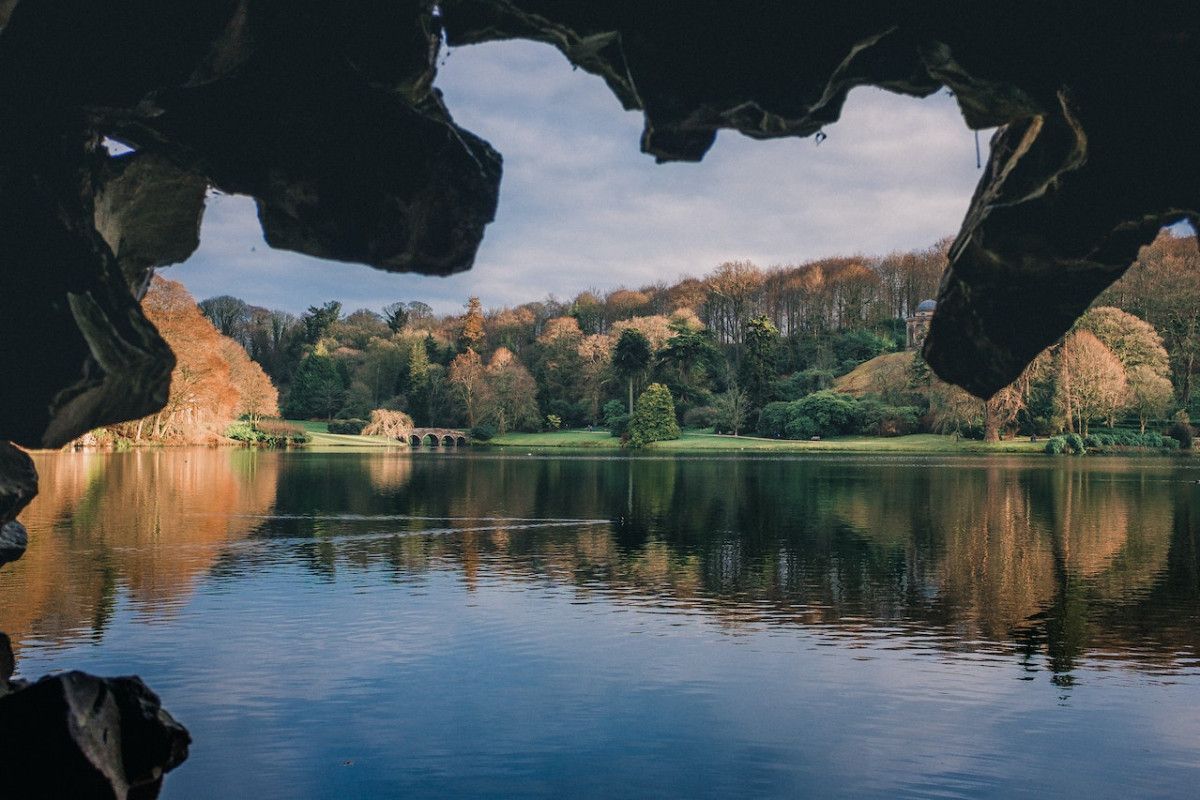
{"x":317,"y":388}
{"x":653,"y":418}
{"x":757,"y":373}
{"x":318,"y":322}
{"x":631,"y":358}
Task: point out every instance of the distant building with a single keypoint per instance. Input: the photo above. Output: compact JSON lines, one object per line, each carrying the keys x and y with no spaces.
{"x":918,"y":324}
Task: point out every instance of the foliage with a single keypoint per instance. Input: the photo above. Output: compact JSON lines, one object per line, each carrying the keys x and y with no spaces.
{"x":803,"y":382}
{"x":653,"y":418}
{"x":553,"y":422}
{"x":385,"y":422}
{"x":317,"y":389}
{"x":471,"y":336}
{"x":731,"y":410}
{"x":619,"y":425}
{"x":631,"y":358}
{"x":833,"y":414}
{"x":275,"y":433}
{"x":213,"y":382}
{"x":1092,"y":381}
{"x":699,"y":417}
{"x":1181,"y":430}
{"x":612,"y":410}
{"x":759,"y":368}
{"x":319,"y":321}
{"x":511,"y":403}
{"x":350,"y":427}
{"x":484,"y":432}
{"x":881,"y":419}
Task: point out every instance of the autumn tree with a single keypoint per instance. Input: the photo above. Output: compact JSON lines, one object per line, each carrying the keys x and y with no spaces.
{"x":510,"y":403}
{"x":595,"y":357}
{"x":357,"y":329}
{"x":384,"y":422}
{"x":205,"y":393}
{"x":257,"y":396}
{"x":469,"y":383}
{"x":1150,"y":395}
{"x":732,"y":296}
{"x":472,"y":334}
{"x":1133,"y":341}
{"x":1091,"y":380}
{"x":1163,"y":288}
{"x":588,"y":310}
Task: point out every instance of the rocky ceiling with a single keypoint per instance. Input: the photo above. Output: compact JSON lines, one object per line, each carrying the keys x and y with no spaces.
{"x":325,"y":114}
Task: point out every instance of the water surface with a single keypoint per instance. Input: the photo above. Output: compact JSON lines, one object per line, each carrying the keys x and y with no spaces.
{"x":445,"y":625}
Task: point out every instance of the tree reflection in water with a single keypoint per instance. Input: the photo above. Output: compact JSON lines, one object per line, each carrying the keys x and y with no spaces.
{"x":1043,"y":558}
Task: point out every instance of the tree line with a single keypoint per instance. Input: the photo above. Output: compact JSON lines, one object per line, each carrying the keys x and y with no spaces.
{"x":778,"y":351}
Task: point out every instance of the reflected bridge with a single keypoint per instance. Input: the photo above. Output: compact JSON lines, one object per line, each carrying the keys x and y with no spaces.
{"x":436,"y":437}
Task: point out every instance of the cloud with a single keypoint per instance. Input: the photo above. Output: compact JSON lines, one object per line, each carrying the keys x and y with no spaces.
{"x":581,"y":207}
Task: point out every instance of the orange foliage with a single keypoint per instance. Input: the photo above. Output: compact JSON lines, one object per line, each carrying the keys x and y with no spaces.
{"x":214,"y":381}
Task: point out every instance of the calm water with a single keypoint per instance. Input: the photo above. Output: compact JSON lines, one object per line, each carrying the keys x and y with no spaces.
{"x":335,"y":625}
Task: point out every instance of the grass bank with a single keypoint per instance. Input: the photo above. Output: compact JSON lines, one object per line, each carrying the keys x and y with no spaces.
{"x":319,"y":436}
{"x":698,"y":441}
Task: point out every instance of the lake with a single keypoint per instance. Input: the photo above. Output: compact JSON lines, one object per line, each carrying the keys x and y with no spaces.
{"x":493,"y":624}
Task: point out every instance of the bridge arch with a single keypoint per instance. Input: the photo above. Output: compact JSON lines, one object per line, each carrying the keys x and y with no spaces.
{"x":435,"y":437}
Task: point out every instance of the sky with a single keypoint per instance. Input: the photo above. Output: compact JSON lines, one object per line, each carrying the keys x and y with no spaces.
{"x":582,"y":208}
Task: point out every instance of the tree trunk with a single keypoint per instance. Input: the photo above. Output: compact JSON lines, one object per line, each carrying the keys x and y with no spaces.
{"x":991,"y":423}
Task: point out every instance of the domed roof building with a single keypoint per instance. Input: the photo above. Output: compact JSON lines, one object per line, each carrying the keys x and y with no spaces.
{"x":918,"y":324}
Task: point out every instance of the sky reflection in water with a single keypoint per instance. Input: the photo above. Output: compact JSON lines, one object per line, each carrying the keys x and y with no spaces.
{"x":370,"y":625}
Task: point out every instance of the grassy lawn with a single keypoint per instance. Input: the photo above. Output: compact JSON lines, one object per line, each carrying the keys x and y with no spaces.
{"x":697,"y":441}
{"x":319,"y":433}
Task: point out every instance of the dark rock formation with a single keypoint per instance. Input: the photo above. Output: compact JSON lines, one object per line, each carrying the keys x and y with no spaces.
{"x":1095,"y":159}
{"x":75,"y":735}
{"x":18,"y":485}
{"x":325,"y":113}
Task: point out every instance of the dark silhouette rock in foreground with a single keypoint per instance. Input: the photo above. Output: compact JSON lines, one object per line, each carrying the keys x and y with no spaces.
{"x":18,"y":485}
{"x":78,"y":736}
{"x":326,"y":114}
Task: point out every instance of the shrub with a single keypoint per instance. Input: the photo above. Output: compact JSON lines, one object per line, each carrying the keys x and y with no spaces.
{"x":350,"y":427}
{"x":1055,"y":445}
{"x":279,"y":433}
{"x":653,"y":417}
{"x":880,"y":419}
{"x":833,"y":414}
{"x":484,"y":432}
{"x":613,"y":409}
{"x":1074,"y":443}
{"x":1181,"y":432}
{"x":619,"y":425}
{"x":773,"y":419}
{"x":242,"y":432}
{"x":801,"y":427}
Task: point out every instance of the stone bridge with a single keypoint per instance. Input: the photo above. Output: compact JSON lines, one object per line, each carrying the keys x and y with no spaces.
{"x":437,"y":437}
